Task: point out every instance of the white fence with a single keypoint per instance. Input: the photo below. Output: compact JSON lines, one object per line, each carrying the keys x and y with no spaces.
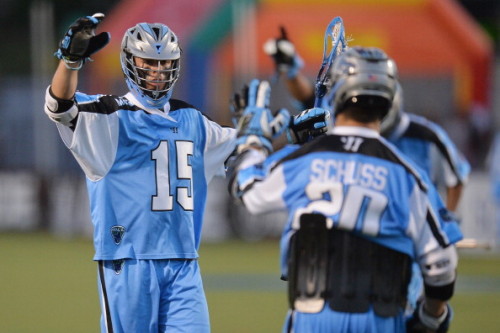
{"x":69,"y":213}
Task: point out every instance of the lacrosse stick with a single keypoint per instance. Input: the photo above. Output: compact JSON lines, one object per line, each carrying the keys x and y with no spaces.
{"x":471,"y":243}
{"x":334,"y":44}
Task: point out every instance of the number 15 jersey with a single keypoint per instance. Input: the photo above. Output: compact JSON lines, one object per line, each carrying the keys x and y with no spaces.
{"x":147,"y":173}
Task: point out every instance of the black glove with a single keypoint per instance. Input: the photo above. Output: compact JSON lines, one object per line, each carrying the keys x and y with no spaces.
{"x":307,"y":125}
{"x":421,"y":322}
{"x":284,"y":55}
{"x":80,"y":41}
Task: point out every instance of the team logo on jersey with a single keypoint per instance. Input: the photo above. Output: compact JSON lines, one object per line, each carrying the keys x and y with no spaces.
{"x":117,"y":232}
{"x":120,"y":101}
{"x":118,"y":265}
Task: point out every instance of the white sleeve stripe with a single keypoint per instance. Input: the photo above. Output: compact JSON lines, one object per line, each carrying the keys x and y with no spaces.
{"x":219,"y":144}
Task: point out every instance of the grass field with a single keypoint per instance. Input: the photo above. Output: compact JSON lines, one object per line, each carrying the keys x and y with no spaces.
{"x":48,"y":285}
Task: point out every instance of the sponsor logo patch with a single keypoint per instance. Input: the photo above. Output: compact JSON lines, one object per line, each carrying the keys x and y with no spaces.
{"x":118,"y":265}
{"x":117,"y":232}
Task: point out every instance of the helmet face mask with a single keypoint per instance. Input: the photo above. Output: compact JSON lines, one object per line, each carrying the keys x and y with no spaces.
{"x":362,"y":77}
{"x":150,"y":59}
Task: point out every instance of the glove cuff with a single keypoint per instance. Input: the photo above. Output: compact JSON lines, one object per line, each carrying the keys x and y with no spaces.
{"x":246,"y":142}
{"x":70,"y":64}
{"x":429,"y":321}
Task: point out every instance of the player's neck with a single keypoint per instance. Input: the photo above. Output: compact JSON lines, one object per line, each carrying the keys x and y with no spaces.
{"x":342,"y":120}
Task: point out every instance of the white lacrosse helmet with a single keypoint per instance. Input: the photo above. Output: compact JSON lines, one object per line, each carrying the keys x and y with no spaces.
{"x":363,"y":76}
{"x":152,"y":41}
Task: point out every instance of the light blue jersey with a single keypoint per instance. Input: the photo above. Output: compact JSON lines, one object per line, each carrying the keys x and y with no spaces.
{"x":361,"y":183}
{"x":147,"y":174}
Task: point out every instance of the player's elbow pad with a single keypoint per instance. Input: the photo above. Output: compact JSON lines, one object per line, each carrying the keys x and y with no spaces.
{"x":60,"y":110}
{"x":439,"y":271}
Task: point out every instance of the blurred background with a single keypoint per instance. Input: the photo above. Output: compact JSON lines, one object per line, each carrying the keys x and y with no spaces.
{"x":447,"y":52}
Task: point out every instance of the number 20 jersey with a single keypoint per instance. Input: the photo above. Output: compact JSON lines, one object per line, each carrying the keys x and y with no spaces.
{"x":361,"y":183}
{"x":147,"y":174}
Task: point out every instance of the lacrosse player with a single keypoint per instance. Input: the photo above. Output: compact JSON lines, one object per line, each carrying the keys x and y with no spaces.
{"x":359,"y":212}
{"x":423,"y":141}
{"x":147,"y":159}
{"x":429,"y":146}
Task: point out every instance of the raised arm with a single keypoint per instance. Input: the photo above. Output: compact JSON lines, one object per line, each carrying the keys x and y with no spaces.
{"x":77,"y":45}
{"x":453,"y":195}
{"x":64,"y":82}
{"x":288,"y":64}
{"x":301,"y":89}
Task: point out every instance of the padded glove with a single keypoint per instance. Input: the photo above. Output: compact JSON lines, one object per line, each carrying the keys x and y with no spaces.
{"x":255,"y":124}
{"x":307,"y":125}
{"x":285,"y":57}
{"x":80,"y":41}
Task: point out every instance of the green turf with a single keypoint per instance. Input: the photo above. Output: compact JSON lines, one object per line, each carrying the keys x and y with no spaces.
{"x":49,"y":285}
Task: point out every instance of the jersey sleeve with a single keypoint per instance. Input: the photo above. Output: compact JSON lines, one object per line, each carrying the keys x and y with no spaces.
{"x":449,"y":166}
{"x":433,"y":231}
{"x":220,"y":143}
{"x":261,"y":182}
{"x":92,"y":137}
{"x":265,"y":194}
{"x":431,"y":224}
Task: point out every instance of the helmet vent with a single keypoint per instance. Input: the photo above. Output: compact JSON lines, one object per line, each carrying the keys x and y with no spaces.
{"x":157,"y":32}
{"x":139,"y":37}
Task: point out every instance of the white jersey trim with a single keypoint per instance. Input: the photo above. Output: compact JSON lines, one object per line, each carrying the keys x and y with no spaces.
{"x":163,"y":114}
{"x":353,"y":130}
{"x":267,"y":195}
{"x":220,"y":143}
{"x":94,"y":142}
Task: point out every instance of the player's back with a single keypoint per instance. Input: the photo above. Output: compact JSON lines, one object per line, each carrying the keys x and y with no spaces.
{"x":358,"y":180}
{"x":361,"y":183}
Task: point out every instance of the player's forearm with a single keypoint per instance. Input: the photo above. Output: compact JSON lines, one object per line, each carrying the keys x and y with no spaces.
{"x":434,"y":307}
{"x":64,"y":82}
{"x":300,"y":87}
{"x":453,"y":197}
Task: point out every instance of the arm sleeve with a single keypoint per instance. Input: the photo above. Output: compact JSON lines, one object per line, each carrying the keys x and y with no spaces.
{"x":93,"y":140}
{"x":449,"y":166}
{"x":266,"y":195}
{"x":220,"y":143}
{"x":257,"y":182}
{"x":434,"y":234}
